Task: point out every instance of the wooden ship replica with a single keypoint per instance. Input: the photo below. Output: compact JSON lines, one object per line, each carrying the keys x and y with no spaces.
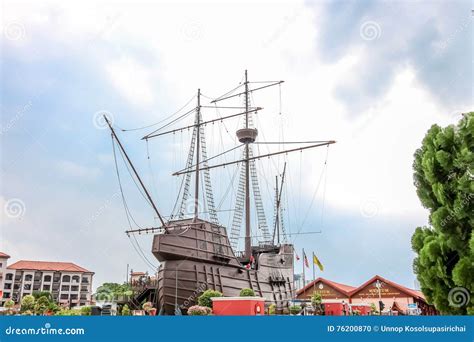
{"x":197,"y":254}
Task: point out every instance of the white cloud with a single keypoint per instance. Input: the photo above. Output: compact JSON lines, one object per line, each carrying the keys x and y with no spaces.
{"x":74,"y":170}
{"x":132,"y":80}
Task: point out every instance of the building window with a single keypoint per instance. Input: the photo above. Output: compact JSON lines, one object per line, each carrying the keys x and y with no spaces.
{"x":66,"y":279}
{"x":65,"y":288}
{"x":1,"y":265}
{"x":84,"y":289}
{"x":28,"y":277}
{"x":47,"y":278}
{"x":75,"y":278}
{"x":85,"y":280}
{"x":9,"y":276}
{"x":6,"y":295}
{"x":46,"y":287}
{"x":64,"y":296}
{"x":16,"y":286}
{"x":74,"y":296}
{"x":27,"y":287}
{"x":8,"y":286}
{"x":74,"y":288}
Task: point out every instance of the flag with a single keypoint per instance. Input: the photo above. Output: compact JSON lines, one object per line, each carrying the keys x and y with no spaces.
{"x":317,"y":262}
{"x":306,"y":263}
{"x":297,"y":257}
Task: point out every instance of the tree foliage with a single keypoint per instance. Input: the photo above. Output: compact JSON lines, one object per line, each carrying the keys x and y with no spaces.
{"x":27,"y":303}
{"x":247,"y":293}
{"x":109,"y":291}
{"x":317,"y":303}
{"x":205,"y":298}
{"x":41,"y":305}
{"x":444,"y":178}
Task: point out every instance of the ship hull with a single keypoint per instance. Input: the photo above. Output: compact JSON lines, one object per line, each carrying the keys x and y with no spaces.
{"x":197,"y":257}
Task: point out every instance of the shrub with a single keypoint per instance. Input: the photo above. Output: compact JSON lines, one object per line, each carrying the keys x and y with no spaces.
{"x":205,"y":298}
{"x":317,"y":303}
{"x":41,"y":305}
{"x":198,"y":310}
{"x":147,"y":306}
{"x":68,"y":312}
{"x":125,"y":310}
{"x":9,"y":304}
{"x":295,"y":309}
{"x":27,"y":303}
{"x":86,"y":311}
{"x":271,"y":309}
{"x":247,"y":293}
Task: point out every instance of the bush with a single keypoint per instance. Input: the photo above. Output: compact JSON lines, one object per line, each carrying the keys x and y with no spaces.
{"x":205,"y":298}
{"x":247,"y":293}
{"x":9,"y":304}
{"x":295,"y":309}
{"x":125,"y":310}
{"x":86,"y":311}
{"x":197,"y":310}
{"x":41,"y":305}
{"x":27,"y":303}
{"x":68,"y":312}
{"x":147,"y":306}
{"x":271,"y":309}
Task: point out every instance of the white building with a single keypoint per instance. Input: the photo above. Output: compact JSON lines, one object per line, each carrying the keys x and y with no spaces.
{"x":68,"y":283}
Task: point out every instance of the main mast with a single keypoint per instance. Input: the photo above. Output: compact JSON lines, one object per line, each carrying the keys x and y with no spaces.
{"x":248,"y":239}
{"x":198,"y":147}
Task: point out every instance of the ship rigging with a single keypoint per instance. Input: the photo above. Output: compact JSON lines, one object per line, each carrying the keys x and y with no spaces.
{"x":195,"y":252}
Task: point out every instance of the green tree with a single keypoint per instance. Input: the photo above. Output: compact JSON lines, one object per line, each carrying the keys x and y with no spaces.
{"x":9,"y":304}
{"x":317,"y":303}
{"x":125,"y":310}
{"x":39,"y":294}
{"x":110,"y":291}
{"x":27,"y":303}
{"x":41,"y":305}
{"x":247,"y":293}
{"x":86,"y":311}
{"x":205,"y":298}
{"x":444,"y":178}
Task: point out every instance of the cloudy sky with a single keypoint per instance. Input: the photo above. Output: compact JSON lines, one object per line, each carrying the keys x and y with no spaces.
{"x":372,"y":75}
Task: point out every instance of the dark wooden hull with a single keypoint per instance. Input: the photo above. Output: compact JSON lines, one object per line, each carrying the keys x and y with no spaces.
{"x":197,"y":256}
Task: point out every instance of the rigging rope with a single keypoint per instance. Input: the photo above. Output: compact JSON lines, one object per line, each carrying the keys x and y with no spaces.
{"x":128,"y":214}
{"x":159,"y":122}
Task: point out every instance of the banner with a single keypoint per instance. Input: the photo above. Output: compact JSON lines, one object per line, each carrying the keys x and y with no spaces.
{"x":238,"y":329}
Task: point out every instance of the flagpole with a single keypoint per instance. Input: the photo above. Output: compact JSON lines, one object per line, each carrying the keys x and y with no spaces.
{"x":304,"y":278}
{"x":313,"y":269}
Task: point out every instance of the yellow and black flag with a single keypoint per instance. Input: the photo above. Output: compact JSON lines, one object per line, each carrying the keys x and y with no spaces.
{"x":317,"y":262}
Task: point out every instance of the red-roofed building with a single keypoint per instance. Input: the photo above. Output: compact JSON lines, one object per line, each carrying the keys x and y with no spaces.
{"x":395,"y":297}
{"x":3,"y":268}
{"x":68,"y":283}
